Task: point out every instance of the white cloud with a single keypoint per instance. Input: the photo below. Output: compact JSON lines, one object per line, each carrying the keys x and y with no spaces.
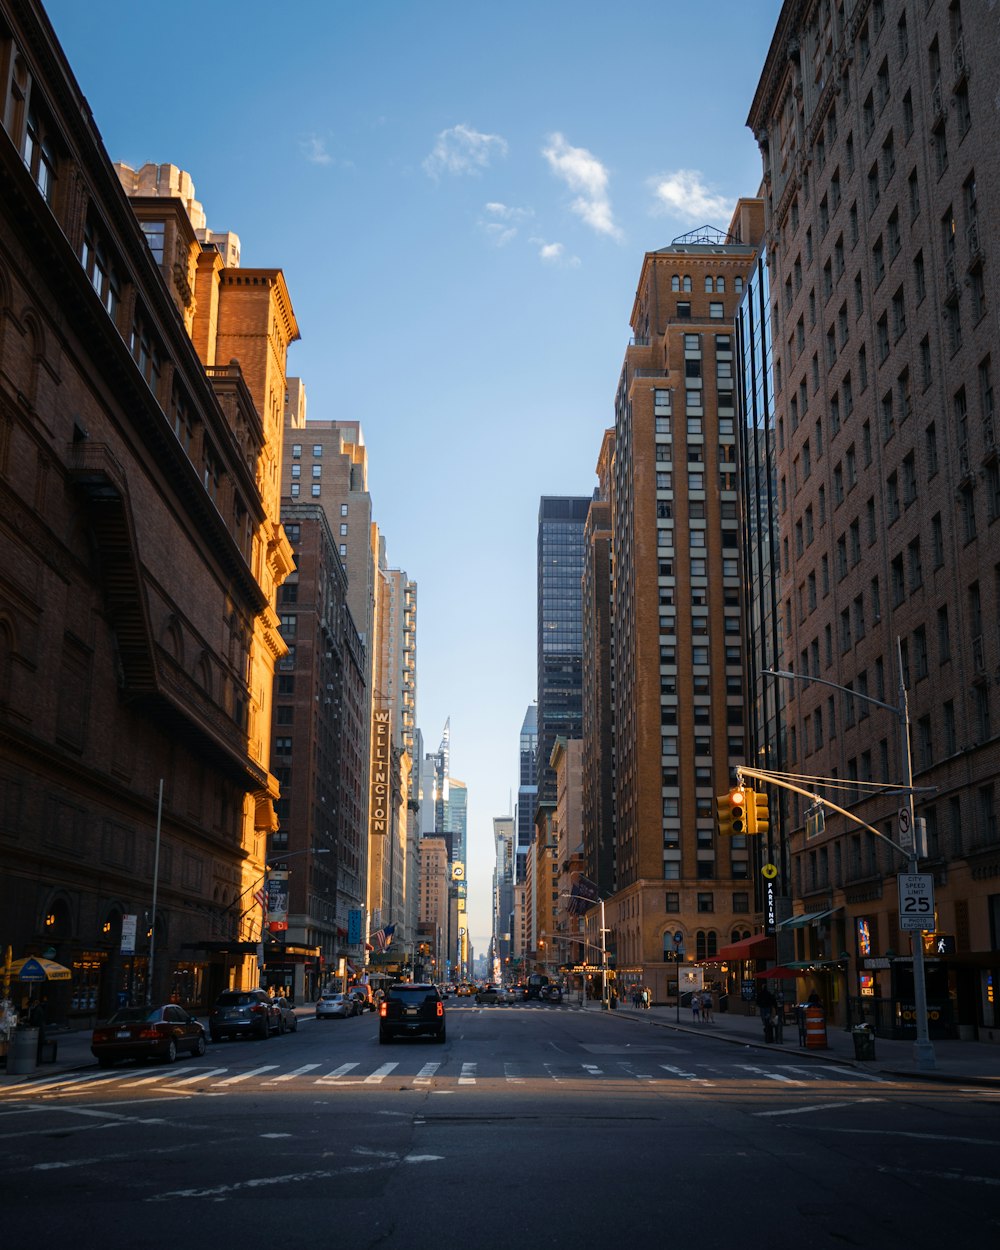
{"x":583,"y":173}
{"x":501,"y":221}
{"x":555,"y":254}
{"x":684,"y":194}
{"x":462,"y":150}
{"x":314,"y":150}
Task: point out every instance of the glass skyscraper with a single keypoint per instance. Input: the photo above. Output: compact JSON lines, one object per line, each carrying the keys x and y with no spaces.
{"x":561,"y":548}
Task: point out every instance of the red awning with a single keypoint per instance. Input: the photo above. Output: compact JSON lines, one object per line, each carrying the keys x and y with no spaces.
{"x":787,"y":973}
{"x":760,"y":946}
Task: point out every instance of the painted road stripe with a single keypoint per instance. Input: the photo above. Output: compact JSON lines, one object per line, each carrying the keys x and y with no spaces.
{"x":245,"y":1076}
{"x":423,"y":1077}
{"x":290,"y":1076}
{"x":337,"y":1073}
{"x":468,"y":1076}
{"x":379,"y":1075}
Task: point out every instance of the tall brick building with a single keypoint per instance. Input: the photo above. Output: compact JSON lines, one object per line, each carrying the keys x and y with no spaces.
{"x":877,"y":125}
{"x":677,"y":702}
{"x":141,"y":386}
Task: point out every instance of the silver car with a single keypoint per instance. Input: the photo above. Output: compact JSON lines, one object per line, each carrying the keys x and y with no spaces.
{"x":289,"y":1020}
{"x":329,"y":1006}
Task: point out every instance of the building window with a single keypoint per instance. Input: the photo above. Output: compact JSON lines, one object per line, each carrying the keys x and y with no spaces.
{"x":716,"y":310}
{"x":100,"y":269}
{"x":706,"y":902}
{"x":40,"y":153}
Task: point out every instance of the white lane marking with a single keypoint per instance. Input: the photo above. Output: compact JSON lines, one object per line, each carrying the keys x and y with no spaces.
{"x":888,"y":1132}
{"x":468,"y":1076}
{"x":193,"y":1080}
{"x":275,"y":1135}
{"x":548,"y":1069}
{"x":770,"y":1076}
{"x":379,"y":1075}
{"x":259,"y":1182}
{"x":423,"y":1158}
{"x":592,"y":1069}
{"x":854,"y":1074}
{"x":245,"y":1076}
{"x":512,"y":1073}
{"x":290,"y":1076}
{"x":423,"y":1077}
{"x":61,"y":1083}
{"x":168,"y":1073}
{"x":337,"y":1073}
{"x":636,"y":1076}
{"x":687,"y":1076}
{"x":820,"y":1106}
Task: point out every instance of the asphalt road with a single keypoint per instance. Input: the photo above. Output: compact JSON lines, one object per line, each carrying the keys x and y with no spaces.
{"x":533,"y":1124}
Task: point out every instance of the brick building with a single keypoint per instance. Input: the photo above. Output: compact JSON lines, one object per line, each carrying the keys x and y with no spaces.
{"x":876,"y":122}
{"x":143,"y":551}
{"x":677,"y":703}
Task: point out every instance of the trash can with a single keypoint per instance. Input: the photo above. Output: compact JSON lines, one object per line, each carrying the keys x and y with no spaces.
{"x":22,"y":1052}
{"x":864,"y":1041}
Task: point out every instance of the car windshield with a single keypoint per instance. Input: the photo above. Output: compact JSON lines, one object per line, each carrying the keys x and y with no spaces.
{"x":233,"y":998}
{"x":133,"y":1015}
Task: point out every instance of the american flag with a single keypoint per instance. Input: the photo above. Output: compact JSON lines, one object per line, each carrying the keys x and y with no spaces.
{"x":260,"y":897}
{"x":382,"y":937}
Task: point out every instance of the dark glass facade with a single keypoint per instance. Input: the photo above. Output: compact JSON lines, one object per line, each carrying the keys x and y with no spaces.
{"x":758,"y":494}
{"x":561,"y":550}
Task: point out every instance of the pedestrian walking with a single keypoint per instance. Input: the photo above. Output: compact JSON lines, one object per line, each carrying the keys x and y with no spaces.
{"x":645,"y":998}
{"x":696,"y":1007}
{"x":706,"y":1007}
{"x":766,"y":1005}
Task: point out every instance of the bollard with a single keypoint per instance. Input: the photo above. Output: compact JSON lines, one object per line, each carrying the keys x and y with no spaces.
{"x":815,"y":1029}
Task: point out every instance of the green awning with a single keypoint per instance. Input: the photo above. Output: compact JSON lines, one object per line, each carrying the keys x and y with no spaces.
{"x":806,"y":918}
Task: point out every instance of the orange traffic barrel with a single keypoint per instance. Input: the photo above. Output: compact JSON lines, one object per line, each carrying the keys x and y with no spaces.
{"x":815,"y":1028}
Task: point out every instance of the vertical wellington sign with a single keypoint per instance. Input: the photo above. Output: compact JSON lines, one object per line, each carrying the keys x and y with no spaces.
{"x":379,"y":815}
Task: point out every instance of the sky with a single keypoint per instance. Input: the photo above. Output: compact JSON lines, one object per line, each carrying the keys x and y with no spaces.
{"x":460,"y":196}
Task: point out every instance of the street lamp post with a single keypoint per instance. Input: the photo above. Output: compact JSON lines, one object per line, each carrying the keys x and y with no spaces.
{"x":923,"y":1048}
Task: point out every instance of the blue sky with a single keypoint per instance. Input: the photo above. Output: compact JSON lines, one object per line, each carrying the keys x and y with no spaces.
{"x":460,"y":196}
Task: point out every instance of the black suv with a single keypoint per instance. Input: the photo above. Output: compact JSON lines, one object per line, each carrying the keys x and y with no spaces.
{"x":244,"y":1011}
{"x":410,"y":1009}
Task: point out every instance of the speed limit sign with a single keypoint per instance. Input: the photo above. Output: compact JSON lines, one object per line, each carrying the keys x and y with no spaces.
{"x":916,"y":900}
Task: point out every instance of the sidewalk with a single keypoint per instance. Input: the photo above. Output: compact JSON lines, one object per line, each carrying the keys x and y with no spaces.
{"x":962,"y":1063}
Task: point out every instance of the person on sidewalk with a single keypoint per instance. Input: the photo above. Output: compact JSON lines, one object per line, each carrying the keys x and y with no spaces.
{"x":696,"y":1007}
{"x":706,"y":1007}
{"x":766,"y":1005}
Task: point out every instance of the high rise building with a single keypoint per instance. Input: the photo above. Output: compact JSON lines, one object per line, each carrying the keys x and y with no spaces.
{"x":597,"y":722}
{"x":560,"y":558}
{"x":876,"y":122}
{"x":142,"y":374}
{"x":677,"y":702}
{"x":527,"y":789}
{"x":321,"y":710}
{"x":503,"y":887}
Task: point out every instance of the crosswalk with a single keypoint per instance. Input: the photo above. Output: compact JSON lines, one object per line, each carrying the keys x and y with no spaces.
{"x":359,"y":1073}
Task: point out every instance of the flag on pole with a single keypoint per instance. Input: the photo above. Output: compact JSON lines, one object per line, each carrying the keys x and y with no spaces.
{"x":382,"y":938}
{"x":584,"y":893}
{"x":260,"y":897}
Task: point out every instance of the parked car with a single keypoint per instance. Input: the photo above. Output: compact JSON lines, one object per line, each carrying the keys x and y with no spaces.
{"x":362,"y":995}
{"x":332,"y":1006}
{"x":289,"y":1020}
{"x":410,"y":1009}
{"x":237,"y":1012}
{"x":147,"y":1033}
{"x":489,"y":994}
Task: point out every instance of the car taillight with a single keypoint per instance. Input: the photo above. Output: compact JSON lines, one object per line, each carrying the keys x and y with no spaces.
{"x":381,"y":1009}
{"x":440,"y":1009}
{"x":148,"y":1033}
{"x":257,"y":1008}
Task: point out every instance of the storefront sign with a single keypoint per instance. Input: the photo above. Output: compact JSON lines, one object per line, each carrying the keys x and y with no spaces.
{"x":379,"y":821}
{"x":128,"y":934}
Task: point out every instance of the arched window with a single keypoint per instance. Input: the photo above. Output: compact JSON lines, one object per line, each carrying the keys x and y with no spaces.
{"x":712,"y":944}
{"x":738,"y":285}
{"x":687,"y":282}
{"x":675,"y":283}
{"x":720,"y":284}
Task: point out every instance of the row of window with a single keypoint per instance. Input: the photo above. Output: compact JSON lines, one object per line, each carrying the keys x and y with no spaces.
{"x":712,"y":284}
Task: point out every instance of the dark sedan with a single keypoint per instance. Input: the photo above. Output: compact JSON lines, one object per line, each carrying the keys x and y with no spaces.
{"x":147,"y":1033}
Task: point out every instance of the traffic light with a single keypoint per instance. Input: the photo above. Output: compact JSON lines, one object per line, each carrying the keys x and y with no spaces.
{"x":725,"y":815}
{"x":758,"y":812}
{"x":738,"y":797}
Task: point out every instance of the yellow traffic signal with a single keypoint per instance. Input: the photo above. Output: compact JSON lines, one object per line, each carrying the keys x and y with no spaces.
{"x":758,"y":812}
{"x":725,"y":815}
{"x":738,"y":807}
